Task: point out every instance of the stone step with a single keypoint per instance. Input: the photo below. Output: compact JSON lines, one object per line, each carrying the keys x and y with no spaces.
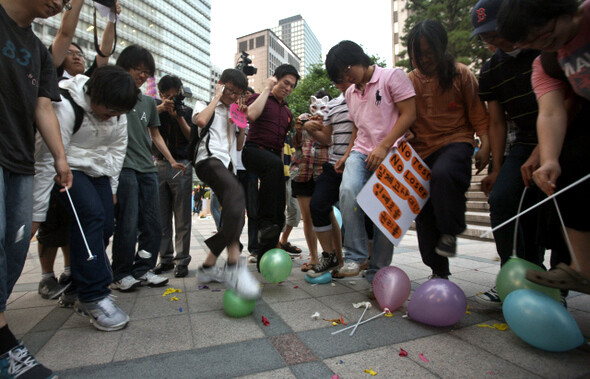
{"x":475,"y":231}
{"x":477,"y":218}
{"x":478,"y":206}
{"x":476,"y":195}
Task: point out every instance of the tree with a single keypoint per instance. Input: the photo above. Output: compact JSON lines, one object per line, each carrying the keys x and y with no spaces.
{"x":315,"y":80}
{"x":455,"y":16}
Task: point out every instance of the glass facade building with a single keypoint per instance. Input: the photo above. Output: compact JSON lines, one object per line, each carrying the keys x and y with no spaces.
{"x":176,"y":33}
{"x":296,"y":34}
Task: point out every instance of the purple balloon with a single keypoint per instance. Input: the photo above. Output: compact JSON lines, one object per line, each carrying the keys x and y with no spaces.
{"x":391,"y":287}
{"x":437,"y":302}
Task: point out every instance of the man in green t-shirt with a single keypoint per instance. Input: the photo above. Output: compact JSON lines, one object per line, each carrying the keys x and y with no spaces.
{"x":138,"y":205}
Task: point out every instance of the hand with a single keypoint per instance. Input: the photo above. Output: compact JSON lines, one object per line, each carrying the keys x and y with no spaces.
{"x":531,"y":164}
{"x":375,"y":158}
{"x":117,"y":7}
{"x":339,"y":166}
{"x":167,"y":106}
{"x":546,"y":176}
{"x":242,"y":106}
{"x":34,"y":228}
{"x":271,"y":82}
{"x":488,"y":183}
{"x":219,"y":88}
{"x":313,"y":125}
{"x":409,"y":135}
{"x":482,"y":158}
{"x":64,"y":177}
{"x":178,"y":166}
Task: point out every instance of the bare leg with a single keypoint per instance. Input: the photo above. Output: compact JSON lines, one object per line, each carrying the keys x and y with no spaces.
{"x":310,"y":236}
{"x":285,"y":236}
{"x":47,"y":257}
{"x":66,"y":251}
{"x":2,"y":320}
{"x":337,"y":238}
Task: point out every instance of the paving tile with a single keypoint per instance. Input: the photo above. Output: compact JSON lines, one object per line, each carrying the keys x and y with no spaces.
{"x":277,"y":326}
{"x":21,"y":321}
{"x":31,"y":300}
{"x":285,"y":292}
{"x":76,"y":347}
{"x":385,"y":361}
{"x":335,"y":287}
{"x":297,"y":314}
{"x":514,"y":351}
{"x":284,"y":373}
{"x":311,"y":370}
{"x":292,"y":350}
{"x":154,"y":336}
{"x":216,"y":328}
{"x":205,"y":300}
{"x":158,"y":306}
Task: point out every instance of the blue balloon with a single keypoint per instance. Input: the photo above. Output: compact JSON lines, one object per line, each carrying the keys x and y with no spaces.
{"x":541,"y":321}
{"x":325,"y":278}
{"x":338,"y":216}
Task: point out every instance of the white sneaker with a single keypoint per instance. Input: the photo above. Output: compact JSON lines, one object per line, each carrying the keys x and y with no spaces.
{"x":239,"y":279}
{"x":152,"y":280}
{"x":128,"y":283}
{"x":211,"y":274}
{"x":104,"y":314}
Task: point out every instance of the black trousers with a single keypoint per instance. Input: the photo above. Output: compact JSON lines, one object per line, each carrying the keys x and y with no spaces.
{"x":231,"y":196}
{"x":444,"y":213}
{"x":268,"y":166}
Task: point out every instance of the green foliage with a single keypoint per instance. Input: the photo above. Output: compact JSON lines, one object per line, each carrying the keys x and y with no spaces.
{"x":315,"y":80}
{"x":455,"y":15}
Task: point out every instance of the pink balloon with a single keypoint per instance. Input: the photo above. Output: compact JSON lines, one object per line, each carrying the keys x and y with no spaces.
{"x":391,"y":287}
{"x":437,"y":302}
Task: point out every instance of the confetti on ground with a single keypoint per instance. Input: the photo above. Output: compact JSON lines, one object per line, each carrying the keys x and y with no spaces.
{"x":423,"y":357}
{"x":296,"y":287}
{"x":403,"y":353}
{"x":216,"y":290}
{"x":334,"y":323}
{"x":174,"y":298}
{"x":265,"y":321}
{"x":501,"y":327}
{"x":203,"y":287}
{"x":171,"y":290}
{"x":370,"y":371}
{"x":315,"y":316}
{"x":361,"y":304}
{"x":333,"y":284}
{"x":467,"y":312}
{"x":180,"y":309}
{"x":388,"y":314}
{"x":335,"y":376}
{"x":352,"y":283}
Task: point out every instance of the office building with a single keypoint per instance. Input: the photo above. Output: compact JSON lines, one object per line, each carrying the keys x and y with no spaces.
{"x":297,"y":34}
{"x":399,"y":15}
{"x":176,"y":33}
{"x":267,"y":52}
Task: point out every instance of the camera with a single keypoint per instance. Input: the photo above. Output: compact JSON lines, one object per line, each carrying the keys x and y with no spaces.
{"x":179,"y":107}
{"x":244,"y":65}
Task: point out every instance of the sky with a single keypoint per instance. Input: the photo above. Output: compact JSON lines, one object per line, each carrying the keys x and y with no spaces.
{"x":331,"y":22}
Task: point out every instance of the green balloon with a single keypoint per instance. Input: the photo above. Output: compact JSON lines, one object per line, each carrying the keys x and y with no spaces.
{"x":275,"y":265}
{"x":237,"y":306}
{"x":512,"y":278}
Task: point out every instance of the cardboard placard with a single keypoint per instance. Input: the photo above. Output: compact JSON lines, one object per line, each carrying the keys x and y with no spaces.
{"x":396,"y":192}
{"x":237,"y":116}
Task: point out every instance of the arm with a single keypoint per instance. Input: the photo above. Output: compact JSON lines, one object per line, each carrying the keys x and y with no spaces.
{"x":497,"y":139}
{"x":339,"y":166}
{"x":48,"y":126}
{"x":407,"y":110}
{"x":158,"y":141}
{"x":320,"y":132}
{"x":529,"y":166}
{"x":66,"y":31}
{"x":551,"y":129}
{"x":255,"y":109}
{"x":202,"y":118}
{"x":108,"y":36}
{"x":477,"y":116}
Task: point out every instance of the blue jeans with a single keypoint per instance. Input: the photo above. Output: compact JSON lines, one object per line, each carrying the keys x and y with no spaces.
{"x":137,"y":221}
{"x":93,"y":199}
{"x":504,"y":199}
{"x":16,"y":213}
{"x":175,"y":201}
{"x":355,"y":244}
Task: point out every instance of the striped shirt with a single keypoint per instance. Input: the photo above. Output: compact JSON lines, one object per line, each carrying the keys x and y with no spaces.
{"x":337,"y":116}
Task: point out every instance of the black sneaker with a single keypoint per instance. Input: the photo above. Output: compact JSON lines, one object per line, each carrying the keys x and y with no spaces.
{"x":50,"y":289}
{"x":447,"y":246}
{"x":67,"y":299}
{"x":328,"y":261}
{"x":18,"y":362}
{"x":64,"y":279}
{"x":163,"y":267}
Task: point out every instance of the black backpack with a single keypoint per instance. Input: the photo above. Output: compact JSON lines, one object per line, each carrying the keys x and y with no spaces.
{"x":196,"y":138}
{"x":78,"y":110}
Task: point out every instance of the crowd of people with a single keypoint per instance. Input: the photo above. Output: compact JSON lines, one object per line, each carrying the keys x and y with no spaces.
{"x":85,"y":156}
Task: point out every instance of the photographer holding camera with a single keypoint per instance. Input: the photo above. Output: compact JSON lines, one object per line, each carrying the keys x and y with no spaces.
{"x":175,"y":188}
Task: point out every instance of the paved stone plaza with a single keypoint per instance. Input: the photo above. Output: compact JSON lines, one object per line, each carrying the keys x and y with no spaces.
{"x":193,"y":338}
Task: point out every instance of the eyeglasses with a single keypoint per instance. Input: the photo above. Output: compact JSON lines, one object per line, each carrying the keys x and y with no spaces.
{"x":78,"y":54}
{"x":145,"y":72}
{"x":345,"y":72}
{"x":233,"y":92}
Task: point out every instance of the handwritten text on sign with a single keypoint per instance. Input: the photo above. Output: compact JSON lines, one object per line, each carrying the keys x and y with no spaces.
{"x":394,"y":195}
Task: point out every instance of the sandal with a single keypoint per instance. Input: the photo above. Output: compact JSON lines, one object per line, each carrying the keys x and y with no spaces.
{"x":562,"y":277}
{"x":307,"y":266}
{"x":291,"y":249}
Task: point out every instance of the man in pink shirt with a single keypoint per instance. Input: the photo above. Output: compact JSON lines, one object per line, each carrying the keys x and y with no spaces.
{"x":381,"y":104}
